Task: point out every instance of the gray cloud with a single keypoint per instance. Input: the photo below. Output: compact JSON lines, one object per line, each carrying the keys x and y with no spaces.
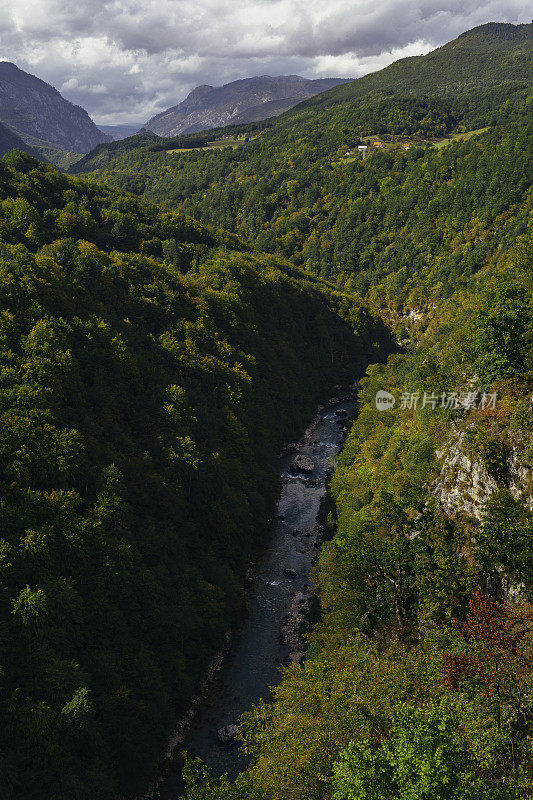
{"x":124,"y":60}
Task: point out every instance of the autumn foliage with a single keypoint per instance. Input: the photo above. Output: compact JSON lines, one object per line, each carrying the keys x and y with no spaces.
{"x":495,"y":637}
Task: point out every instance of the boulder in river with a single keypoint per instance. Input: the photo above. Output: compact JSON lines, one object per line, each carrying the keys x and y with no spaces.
{"x":289,"y":448}
{"x":341,"y":413}
{"x":290,"y":573}
{"x":296,"y":532}
{"x":297,"y":658}
{"x":227,"y":734}
{"x":302,"y":463}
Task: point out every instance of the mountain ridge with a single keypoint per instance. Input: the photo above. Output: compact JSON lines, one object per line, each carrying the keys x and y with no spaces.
{"x":445,"y":72}
{"x":453,"y":77}
{"x":237,"y":102}
{"x":495,"y":31}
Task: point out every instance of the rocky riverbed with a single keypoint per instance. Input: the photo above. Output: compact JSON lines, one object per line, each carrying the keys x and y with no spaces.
{"x":279,"y":598}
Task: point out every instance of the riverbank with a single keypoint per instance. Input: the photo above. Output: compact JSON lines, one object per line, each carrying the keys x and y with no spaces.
{"x":277,"y":604}
{"x":279,"y":598}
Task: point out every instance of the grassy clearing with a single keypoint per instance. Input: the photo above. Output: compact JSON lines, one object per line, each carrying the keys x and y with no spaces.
{"x":459,"y":137}
{"x":220,"y":144}
{"x":345,"y":160}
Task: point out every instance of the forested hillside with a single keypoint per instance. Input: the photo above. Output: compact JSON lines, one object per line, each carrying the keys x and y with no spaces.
{"x":393,"y":223}
{"x":10,"y":141}
{"x":418,"y":678}
{"x":154,"y":364}
{"x":151,"y":370}
{"x":487,"y":58}
{"x":418,"y":682}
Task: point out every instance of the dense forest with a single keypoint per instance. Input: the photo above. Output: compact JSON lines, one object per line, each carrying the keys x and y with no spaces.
{"x":419,"y":674}
{"x":156,"y":357}
{"x":418,"y":683}
{"x":151,"y":370}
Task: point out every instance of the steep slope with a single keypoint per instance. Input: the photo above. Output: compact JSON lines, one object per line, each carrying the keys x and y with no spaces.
{"x":463,"y":85}
{"x":420,"y":670}
{"x":33,"y":108}
{"x":151,"y":370}
{"x":10,"y":141}
{"x":236,"y":103}
{"x":495,"y":55}
{"x":418,"y":682}
{"x":151,"y":367}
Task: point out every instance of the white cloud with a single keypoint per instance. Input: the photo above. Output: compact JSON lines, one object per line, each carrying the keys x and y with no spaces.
{"x":125,"y":60}
{"x":350,"y":65}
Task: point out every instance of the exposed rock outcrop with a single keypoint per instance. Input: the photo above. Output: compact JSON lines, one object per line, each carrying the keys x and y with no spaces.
{"x":227,"y":734}
{"x":464,"y":485}
{"x":238,"y":102}
{"x":302,"y":463}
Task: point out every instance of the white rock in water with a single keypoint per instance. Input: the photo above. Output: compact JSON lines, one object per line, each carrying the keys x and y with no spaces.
{"x":227,"y":734}
{"x":302,"y":464}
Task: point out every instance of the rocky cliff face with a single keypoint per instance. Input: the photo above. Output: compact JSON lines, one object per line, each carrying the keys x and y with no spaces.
{"x":248,"y":100}
{"x":464,"y":484}
{"x":35,"y":110}
{"x":463,"y":488}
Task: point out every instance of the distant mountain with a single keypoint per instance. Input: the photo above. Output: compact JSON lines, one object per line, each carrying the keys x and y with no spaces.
{"x":117,"y":132}
{"x":470,"y":79}
{"x":35,"y":110}
{"x":10,"y":141}
{"x":236,"y":103}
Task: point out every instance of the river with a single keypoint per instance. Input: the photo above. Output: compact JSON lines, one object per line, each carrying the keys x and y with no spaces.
{"x":279,"y":594}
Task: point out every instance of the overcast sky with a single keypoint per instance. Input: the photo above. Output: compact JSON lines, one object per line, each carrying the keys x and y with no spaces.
{"x":125,"y":60}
